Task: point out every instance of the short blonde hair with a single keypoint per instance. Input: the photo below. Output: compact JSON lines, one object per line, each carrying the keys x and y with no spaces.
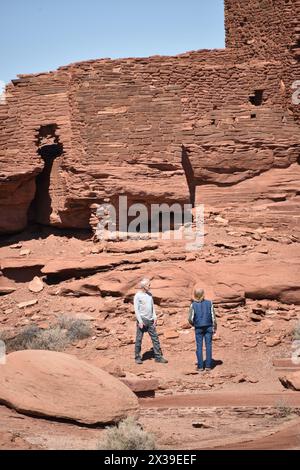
{"x":198,"y":294}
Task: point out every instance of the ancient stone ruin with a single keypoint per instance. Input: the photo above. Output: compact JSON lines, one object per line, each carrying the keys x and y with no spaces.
{"x":189,"y":128}
{"x":213,"y":128}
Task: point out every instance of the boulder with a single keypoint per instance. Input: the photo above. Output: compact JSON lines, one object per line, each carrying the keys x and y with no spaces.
{"x":139,"y":385}
{"x":291,"y":381}
{"x":59,"y":386}
{"x":27,"y":303}
{"x":36,"y":285}
{"x":6,"y":285}
{"x":272,"y":341}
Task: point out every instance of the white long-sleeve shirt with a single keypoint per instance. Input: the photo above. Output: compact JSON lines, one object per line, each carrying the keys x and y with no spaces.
{"x":144,"y":306}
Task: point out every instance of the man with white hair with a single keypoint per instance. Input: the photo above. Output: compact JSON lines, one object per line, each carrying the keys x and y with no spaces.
{"x":146,"y":322}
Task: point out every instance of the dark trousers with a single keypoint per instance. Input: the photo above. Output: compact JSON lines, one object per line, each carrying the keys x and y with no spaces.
{"x":148,"y":328}
{"x":206,"y":333}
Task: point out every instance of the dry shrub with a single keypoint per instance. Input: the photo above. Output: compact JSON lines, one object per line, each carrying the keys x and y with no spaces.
{"x":55,"y":338}
{"x":127,"y":435}
{"x":296,"y":332}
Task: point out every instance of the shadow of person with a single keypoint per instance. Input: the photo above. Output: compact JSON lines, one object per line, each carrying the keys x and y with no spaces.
{"x":148,"y":355}
{"x":216,"y":362}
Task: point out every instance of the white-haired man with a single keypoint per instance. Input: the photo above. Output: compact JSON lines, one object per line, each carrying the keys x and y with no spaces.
{"x":146,"y":322}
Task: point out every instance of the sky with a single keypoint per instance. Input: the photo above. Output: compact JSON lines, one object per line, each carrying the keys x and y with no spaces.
{"x":38,"y":36}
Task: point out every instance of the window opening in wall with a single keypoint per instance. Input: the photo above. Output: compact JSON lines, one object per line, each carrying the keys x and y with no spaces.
{"x":257,"y":98}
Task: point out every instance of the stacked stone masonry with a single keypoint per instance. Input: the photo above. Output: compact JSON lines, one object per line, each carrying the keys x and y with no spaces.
{"x":158,"y":129}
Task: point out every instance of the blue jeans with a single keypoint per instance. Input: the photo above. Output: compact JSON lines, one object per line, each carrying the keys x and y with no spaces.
{"x":206,"y":333}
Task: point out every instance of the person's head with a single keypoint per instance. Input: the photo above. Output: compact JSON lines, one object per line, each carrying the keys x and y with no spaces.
{"x":198,"y":294}
{"x":145,"y":284}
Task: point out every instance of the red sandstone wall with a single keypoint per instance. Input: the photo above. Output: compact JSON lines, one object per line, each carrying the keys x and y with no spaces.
{"x":267,"y":29}
{"x":123,"y":123}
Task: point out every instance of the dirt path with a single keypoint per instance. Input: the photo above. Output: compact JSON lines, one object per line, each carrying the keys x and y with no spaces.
{"x":225,"y":399}
{"x":285,"y":439}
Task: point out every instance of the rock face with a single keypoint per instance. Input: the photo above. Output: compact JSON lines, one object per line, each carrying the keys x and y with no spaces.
{"x":228,"y":282}
{"x":154,"y":129}
{"x":57,"y":385}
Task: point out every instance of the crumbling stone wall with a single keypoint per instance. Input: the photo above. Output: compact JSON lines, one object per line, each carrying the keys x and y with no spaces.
{"x":262,"y":29}
{"x":267,"y":30}
{"x":152,"y":128}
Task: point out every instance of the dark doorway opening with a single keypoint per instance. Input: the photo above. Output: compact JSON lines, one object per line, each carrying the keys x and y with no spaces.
{"x":257,"y":98}
{"x":189,"y":174}
{"x":49,"y":149}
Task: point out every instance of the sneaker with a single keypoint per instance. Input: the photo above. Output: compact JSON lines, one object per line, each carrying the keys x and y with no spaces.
{"x":162,"y":360}
{"x":139,"y":360}
{"x":208,"y":369}
{"x":199,"y":369}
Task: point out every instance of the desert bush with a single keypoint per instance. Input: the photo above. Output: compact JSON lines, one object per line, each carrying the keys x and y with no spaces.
{"x":127,"y":435}
{"x":283,"y":410}
{"x":55,"y":338}
{"x":22,"y":339}
{"x":52,"y":339}
{"x":79,"y":329}
{"x":296,"y":332}
{"x":3,"y":335}
{"x":33,"y":337}
{"x":76,"y":329}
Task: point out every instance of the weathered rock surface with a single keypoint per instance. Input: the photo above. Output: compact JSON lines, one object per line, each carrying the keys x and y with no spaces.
{"x":228,"y":282}
{"x":57,"y":385}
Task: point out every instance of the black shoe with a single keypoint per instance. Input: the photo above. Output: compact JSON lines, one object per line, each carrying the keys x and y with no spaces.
{"x":199,"y":369}
{"x":138,"y":360}
{"x":208,"y":369}
{"x":162,"y":360}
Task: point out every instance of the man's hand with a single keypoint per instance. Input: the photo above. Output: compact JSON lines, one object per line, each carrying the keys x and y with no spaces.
{"x":141,"y":325}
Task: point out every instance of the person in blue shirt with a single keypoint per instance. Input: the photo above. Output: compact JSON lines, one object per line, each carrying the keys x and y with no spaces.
{"x":202,"y":317}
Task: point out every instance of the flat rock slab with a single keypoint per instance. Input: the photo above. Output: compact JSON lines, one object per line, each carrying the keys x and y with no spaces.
{"x":59,"y":386}
{"x":6,"y":285}
{"x":28,"y":303}
{"x":21,"y":263}
{"x":138,"y":385}
{"x":130,"y":246}
{"x":285,"y":363}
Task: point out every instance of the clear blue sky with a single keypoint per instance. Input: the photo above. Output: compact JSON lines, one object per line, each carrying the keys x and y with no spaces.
{"x":36,"y":36}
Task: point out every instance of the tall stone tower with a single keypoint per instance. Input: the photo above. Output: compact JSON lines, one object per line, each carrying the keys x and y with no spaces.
{"x":266,"y":29}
